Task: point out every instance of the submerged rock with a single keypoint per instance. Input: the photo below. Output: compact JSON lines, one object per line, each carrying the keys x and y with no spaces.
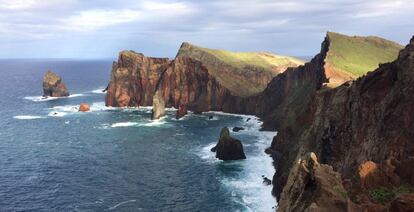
{"x":237,"y":129}
{"x":158,"y":108}
{"x":266,"y":181}
{"x":53,"y":85}
{"x":181,"y":112}
{"x":84,"y":107}
{"x":228,"y":148}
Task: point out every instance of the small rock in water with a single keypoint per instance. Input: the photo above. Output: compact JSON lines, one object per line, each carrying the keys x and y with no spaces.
{"x":266,"y":181}
{"x":210,"y":117}
{"x":84,"y":107}
{"x":237,"y":129}
{"x":228,"y":148}
{"x":248,"y":119}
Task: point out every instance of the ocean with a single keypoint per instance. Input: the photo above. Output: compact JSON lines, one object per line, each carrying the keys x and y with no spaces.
{"x":54,"y":158}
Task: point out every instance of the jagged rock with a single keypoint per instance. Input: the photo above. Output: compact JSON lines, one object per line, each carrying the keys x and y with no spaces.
{"x":403,"y":203}
{"x":134,"y":79}
{"x":312,"y":186}
{"x":237,"y":129}
{"x":158,"y":108}
{"x":266,"y":181}
{"x":239,"y":75}
{"x":181,"y":112}
{"x":53,"y":85}
{"x":364,"y":120}
{"x":84,"y":107}
{"x":228,"y":148}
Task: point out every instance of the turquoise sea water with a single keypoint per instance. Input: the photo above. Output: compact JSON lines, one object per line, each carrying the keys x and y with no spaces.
{"x":54,"y":158}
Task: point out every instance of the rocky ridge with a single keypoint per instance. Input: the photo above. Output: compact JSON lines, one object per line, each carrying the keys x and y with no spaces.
{"x":363,"y":129}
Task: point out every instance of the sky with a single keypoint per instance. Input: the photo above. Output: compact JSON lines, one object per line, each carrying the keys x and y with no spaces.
{"x":101,"y":28}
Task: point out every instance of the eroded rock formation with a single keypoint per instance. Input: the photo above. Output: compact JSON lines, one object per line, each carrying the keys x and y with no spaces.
{"x":312,"y":186}
{"x":158,"y":108}
{"x":363,"y":129}
{"x":83,"y":107}
{"x":133,"y":79}
{"x":228,"y":148}
{"x":53,"y":85}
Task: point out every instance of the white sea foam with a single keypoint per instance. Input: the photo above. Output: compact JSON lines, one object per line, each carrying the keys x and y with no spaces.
{"x":121,"y":203}
{"x":98,"y":91}
{"x":27,"y":117}
{"x":43,"y":99}
{"x":124,"y":124}
{"x":152,"y":123}
{"x":247,"y":188}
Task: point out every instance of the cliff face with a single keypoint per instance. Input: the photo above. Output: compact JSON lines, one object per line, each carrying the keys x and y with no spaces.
{"x":133,"y":79}
{"x":187,"y":82}
{"x":53,"y":85}
{"x":363,"y":129}
{"x":242,"y":73}
{"x":287,"y":94}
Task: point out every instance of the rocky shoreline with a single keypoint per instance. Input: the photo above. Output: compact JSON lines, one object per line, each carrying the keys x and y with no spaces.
{"x":339,"y":141}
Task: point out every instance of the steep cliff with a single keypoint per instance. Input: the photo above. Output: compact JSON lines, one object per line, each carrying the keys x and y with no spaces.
{"x":242,"y":73}
{"x":133,"y":79}
{"x":363,"y":129}
{"x":187,"y":82}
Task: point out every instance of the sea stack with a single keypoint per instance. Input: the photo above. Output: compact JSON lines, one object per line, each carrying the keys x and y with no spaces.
{"x":53,"y":85}
{"x":158,"y":108}
{"x":228,"y":148}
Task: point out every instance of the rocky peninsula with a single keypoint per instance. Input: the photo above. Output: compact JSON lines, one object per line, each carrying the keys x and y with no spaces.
{"x":344,"y":118}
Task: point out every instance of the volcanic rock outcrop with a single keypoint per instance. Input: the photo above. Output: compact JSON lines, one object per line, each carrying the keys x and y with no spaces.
{"x":133,"y":79}
{"x":312,"y":186}
{"x":288,"y":94}
{"x":185,"y":81}
{"x":242,"y":73}
{"x":53,"y":85}
{"x":228,"y":148}
{"x":364,"y":130}
{"x":158,"y":108}
{"x":84,"y":107}
{"x":181,"y":112}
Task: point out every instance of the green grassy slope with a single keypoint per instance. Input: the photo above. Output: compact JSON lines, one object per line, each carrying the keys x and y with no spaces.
{"x":243,"y":73}
{"x":260,"y":59}
{"x":357,"y":55}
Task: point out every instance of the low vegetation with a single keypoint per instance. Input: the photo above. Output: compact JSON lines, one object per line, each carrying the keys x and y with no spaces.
{"x":358,"y":55}
{"x":383,"y":195}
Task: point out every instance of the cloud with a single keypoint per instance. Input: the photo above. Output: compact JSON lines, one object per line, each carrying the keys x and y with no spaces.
{"x":97,"y":19}
{"x":158,"y":26}
{"x":15,"y":5}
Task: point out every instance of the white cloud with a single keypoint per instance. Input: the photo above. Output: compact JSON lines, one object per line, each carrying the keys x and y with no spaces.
{"x":97,"y":19}
{"x":16,"y":5}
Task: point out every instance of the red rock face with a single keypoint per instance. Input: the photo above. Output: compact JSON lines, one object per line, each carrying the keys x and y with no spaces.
{"x":187,"y":83}
{"x":181,"y":112}
{"x":53,"y":85}
{"x":369,"y":119}
{"x":84,"y":107}
{"x":133,"y":79}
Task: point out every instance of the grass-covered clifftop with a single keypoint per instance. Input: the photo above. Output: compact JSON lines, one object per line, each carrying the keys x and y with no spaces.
{"x":243,"y":73}
{"x":350,"y":57}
